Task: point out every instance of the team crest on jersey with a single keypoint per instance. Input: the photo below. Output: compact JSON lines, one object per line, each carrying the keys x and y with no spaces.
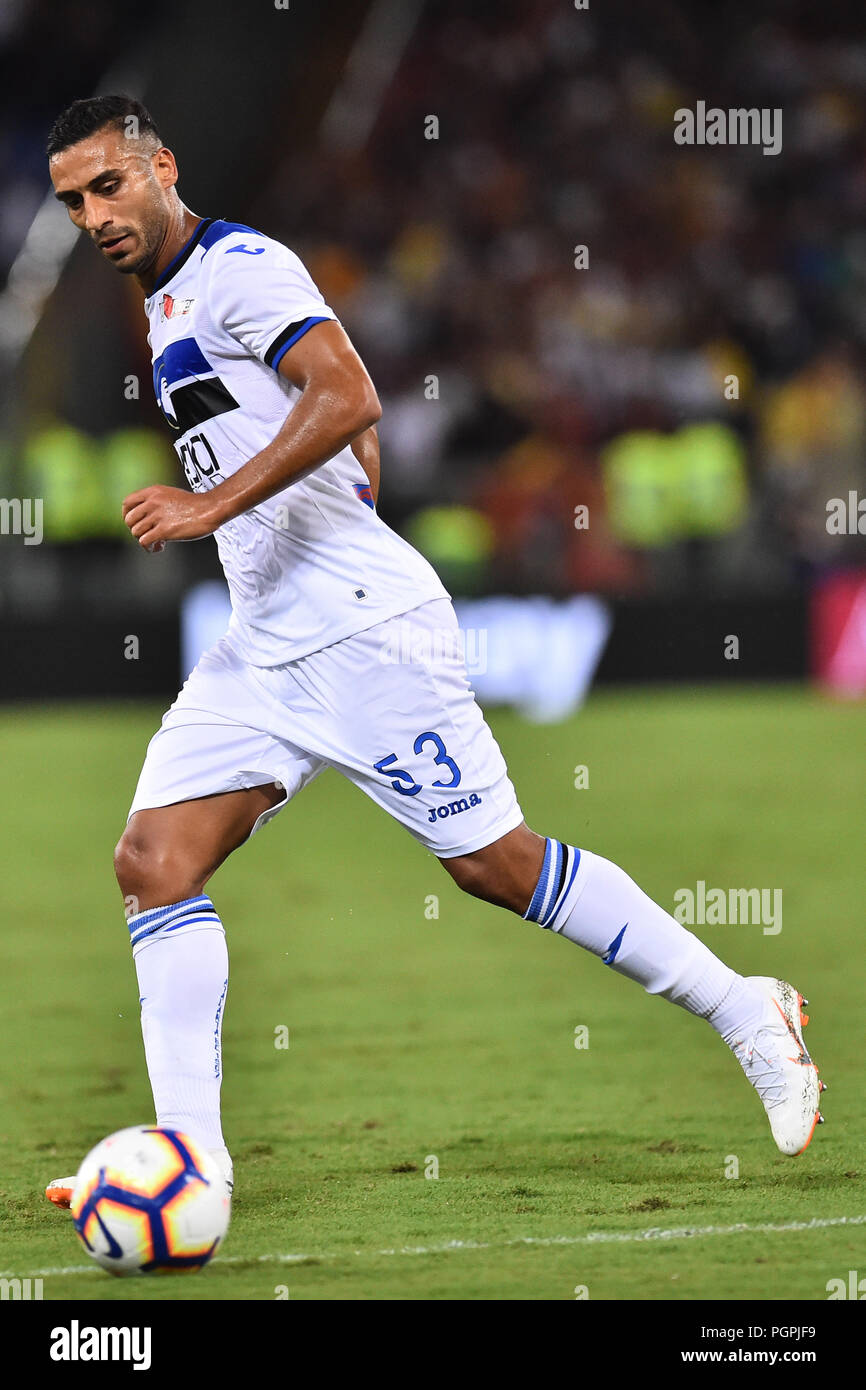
{"x":171,"y":308}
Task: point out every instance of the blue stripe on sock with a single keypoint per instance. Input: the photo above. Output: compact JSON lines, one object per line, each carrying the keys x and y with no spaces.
{"x":551,"y":915}
{"x":186,"y":921}
{"x":164,"y":931}
{"x":538,"y":897}
{"x":145,"y":931}
{"x":165,"y":920}
{"x":556,"y":866}
{"x":556,"y":881}
{"x":164,"y":914}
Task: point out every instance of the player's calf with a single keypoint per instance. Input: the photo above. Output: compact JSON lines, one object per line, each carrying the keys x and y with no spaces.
{"x":165,"y":857}
{"x":592,"y":902}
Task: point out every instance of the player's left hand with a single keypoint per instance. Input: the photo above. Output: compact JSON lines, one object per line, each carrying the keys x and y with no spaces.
{"x":158,"y":514}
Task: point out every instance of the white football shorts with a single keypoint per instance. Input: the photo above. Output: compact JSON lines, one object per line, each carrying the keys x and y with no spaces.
{"x":391,"y":708}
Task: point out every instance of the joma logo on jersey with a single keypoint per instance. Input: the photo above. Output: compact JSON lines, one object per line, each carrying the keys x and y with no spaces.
{"x":454,"y":808}
{"x":173,"y":308}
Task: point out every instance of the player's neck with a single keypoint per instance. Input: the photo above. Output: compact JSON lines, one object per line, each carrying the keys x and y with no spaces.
{"x":177,"y":234}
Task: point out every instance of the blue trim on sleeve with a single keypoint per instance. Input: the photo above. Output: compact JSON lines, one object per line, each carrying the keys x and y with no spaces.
{"x":302,"y":329}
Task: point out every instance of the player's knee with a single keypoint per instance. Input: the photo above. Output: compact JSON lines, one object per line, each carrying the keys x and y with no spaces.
{"x":480,"y":879}
{"x":503,"y":873}
{"x":153,"y":870}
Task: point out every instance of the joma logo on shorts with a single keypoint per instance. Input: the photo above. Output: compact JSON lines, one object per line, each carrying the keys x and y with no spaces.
{"x":455,"y":807}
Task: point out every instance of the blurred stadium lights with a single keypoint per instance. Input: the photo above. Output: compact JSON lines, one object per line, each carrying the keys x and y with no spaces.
{"x":34,"y":273}
{"x":43,"y":254}
{"x":602,"y":393}
{"x":374,"y":59}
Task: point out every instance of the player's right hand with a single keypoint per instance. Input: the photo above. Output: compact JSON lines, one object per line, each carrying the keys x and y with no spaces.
{"x":159,"y":514}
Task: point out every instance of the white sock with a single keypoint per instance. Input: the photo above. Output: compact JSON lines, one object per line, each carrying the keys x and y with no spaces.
{"x":182,"y":965}
{"x":594,"y":903}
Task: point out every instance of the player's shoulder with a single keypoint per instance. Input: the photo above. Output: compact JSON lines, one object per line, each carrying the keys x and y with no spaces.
{"x":232,"y":246}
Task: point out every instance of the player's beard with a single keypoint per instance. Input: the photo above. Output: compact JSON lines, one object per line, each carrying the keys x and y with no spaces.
{"x":141,"y":253}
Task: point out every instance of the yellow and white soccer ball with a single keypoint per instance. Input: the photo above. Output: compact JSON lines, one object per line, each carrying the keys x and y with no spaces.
{"x":150,"y":1200}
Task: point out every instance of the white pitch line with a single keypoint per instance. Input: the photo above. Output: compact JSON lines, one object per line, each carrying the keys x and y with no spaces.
{"x":816,"y":1223}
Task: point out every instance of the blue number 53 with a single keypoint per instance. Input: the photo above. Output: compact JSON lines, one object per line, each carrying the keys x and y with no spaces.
{"x":403,"y":782}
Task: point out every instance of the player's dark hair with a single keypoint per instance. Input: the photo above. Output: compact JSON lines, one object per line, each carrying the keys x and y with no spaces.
{"x":85,"y":117}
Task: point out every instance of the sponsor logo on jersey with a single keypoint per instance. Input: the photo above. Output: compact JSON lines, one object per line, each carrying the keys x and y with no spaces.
{"x":171,"y":308}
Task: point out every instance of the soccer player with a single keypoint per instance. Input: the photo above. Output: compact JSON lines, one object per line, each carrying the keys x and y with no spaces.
{"x":274,"y":417}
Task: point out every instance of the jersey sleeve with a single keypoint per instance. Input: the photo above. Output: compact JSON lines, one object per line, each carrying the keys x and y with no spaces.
{"x":263,"y":295}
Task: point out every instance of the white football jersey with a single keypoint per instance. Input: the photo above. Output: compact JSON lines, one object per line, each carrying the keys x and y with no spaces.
{"x":315,"y":563}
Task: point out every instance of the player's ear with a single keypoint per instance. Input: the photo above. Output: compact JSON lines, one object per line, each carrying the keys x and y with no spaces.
{"x":165,"y":167}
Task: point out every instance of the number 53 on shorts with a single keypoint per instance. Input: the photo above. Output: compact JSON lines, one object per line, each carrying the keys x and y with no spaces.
{"x":404,"y":783}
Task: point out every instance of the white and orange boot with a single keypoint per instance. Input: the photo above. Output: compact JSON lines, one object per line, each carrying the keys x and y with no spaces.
{"x":777,"y":1064}
{"x":60,"y":1192}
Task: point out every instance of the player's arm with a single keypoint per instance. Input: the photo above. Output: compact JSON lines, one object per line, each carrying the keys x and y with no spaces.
{"x":337,"y":403}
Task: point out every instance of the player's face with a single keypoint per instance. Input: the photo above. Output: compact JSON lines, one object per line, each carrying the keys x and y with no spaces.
{"x":117,"y":191}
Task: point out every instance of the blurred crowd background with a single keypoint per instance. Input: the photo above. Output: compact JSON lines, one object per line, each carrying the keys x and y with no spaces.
{"x":605,"y":386}
{"x":693,"y":378}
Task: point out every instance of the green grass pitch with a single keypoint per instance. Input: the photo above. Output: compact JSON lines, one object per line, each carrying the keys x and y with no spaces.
{"x":416,"y":1037}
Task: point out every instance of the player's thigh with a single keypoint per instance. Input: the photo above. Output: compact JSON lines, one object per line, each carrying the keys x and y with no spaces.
{"x":400,"y":720}
{"x":214,"y":773}
{"x":168,"y":853}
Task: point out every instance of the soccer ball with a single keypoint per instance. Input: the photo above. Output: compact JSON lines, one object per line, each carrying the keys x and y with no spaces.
{"x":150,"y":1200}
